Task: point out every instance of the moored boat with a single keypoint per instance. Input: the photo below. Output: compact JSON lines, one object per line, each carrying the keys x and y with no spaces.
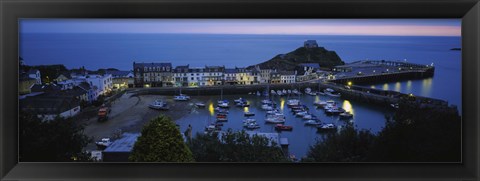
{"x":274,"y":119}
{"x":222,"y":119}
{"x":159,"y":105}
{"x":103,"y":143}
{"x":200,"y":104}
{"x":181,"y":97}
{"x":252,"y":125}
{"x":346,"y":115}
{"x":312,"y":122}
{"x":281,"y":127}
{"x":249,"y":114}
{"x":325,"y":127}
{"x":335,"y":110}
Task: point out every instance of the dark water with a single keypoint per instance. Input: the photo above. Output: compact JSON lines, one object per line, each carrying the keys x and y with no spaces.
{"x":366,"y":116}
{"x":120,"y":50}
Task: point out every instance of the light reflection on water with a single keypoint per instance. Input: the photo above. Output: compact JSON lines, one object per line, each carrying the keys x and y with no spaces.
{"x":347,"y":106}
{"x":211,"y":109}
{"x":409,"y":86}
{"x":427,"y":86}
{"x":245,"y":109}
{"x":385,"y":86}
{"x":397,"y":86}
{"x":282,"y":104}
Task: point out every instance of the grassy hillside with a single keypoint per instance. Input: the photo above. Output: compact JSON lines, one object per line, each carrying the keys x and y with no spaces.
{"x":303,"y":55}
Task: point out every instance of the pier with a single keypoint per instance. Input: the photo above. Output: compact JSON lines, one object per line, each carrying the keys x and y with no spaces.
{"x":379,"y":71}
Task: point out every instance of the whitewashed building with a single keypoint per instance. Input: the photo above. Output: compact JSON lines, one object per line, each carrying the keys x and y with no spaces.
{"x":35,"y":74}
{"x":101,"y":84}
{"x":287,"y":77}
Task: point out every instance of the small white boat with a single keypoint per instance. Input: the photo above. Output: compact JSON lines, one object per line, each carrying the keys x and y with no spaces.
{"x":279,"y":92}
{"x":242,"y":104}
{"x":307,"y":116}
{"x":252,"y":126}
{"x":249,"y":114}
{"x":159,"y":105}
{"x":320,"y":103}
{"x":346,"y":115}
{"x":284,"y":91}
{"x":249,"y":120}
{"x":308,"y":90}
{"x":295,"y":91}
{"x":222,"y":119}
{"x":289,"y":91}
{"x":181,"y":97}
{"x":267,"y":107}
{"x":274,"y":120}
{"x":328,"y":126}
{"x":301,"y":114}
{"x":200,"y":104}
{"x":239,"y":100}
{"x":272,"y":112}
{"x":333,"y":94}
{"x":223,"y":105}
{"x":103,"y":143}
{"x":312,"y":93}
{"x":293,"y":102}
{"x":334,"y":110}
{"x":258,"y":93}
{"x":273,"y":92}
{"x":266,"y":101}
{"x":312,"y":122}
{"x":394,"y":105}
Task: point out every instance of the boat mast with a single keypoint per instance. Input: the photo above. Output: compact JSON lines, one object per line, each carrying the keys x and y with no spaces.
{"x":221,"y":94}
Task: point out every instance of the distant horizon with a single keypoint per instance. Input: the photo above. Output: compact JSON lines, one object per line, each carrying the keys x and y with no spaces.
{"x":363,"y":27}
{"x":238,"y":34}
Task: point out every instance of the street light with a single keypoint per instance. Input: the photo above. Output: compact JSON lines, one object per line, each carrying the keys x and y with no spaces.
{"x":349,"y":83}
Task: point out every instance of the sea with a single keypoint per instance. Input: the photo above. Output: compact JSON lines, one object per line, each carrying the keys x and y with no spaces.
{"x":94,"y":51}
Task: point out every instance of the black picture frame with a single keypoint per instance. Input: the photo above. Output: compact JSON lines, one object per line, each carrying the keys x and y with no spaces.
{"x":11,"y":11}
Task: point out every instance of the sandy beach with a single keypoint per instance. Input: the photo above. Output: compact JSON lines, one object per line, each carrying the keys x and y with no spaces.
{"x":129,"y":113}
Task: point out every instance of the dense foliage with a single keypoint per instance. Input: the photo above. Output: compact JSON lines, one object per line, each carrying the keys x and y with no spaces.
{"x":419,"y":135}
{"x":57,"y":140}
{"x":349,"y":145}
{"x":413,"y":134}
{"x":47,"y":72}
{"x":235,"y":147}
{"x":161,"y":141}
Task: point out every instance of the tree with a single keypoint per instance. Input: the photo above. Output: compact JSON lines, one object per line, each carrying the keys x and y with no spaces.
{"x":413,"y":134}
{"x":235,"y":147}
{"x":206,"y":148}
{"x":350,"y":145}
{"x":419,"y":134}
{"x":57,"y":140}
{"x":161,"y":141}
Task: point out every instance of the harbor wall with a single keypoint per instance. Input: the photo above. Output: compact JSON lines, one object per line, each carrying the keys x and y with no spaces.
{"x":387,"y":77}
{"x":217,"y":90}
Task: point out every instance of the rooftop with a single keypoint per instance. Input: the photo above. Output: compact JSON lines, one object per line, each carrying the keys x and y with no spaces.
{"x":141,"y":65}
{"x":118,"y":73}
{"x":124,"y":144}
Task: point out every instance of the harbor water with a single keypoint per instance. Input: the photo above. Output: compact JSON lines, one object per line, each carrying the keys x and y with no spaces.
{"x":302,"y":136}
